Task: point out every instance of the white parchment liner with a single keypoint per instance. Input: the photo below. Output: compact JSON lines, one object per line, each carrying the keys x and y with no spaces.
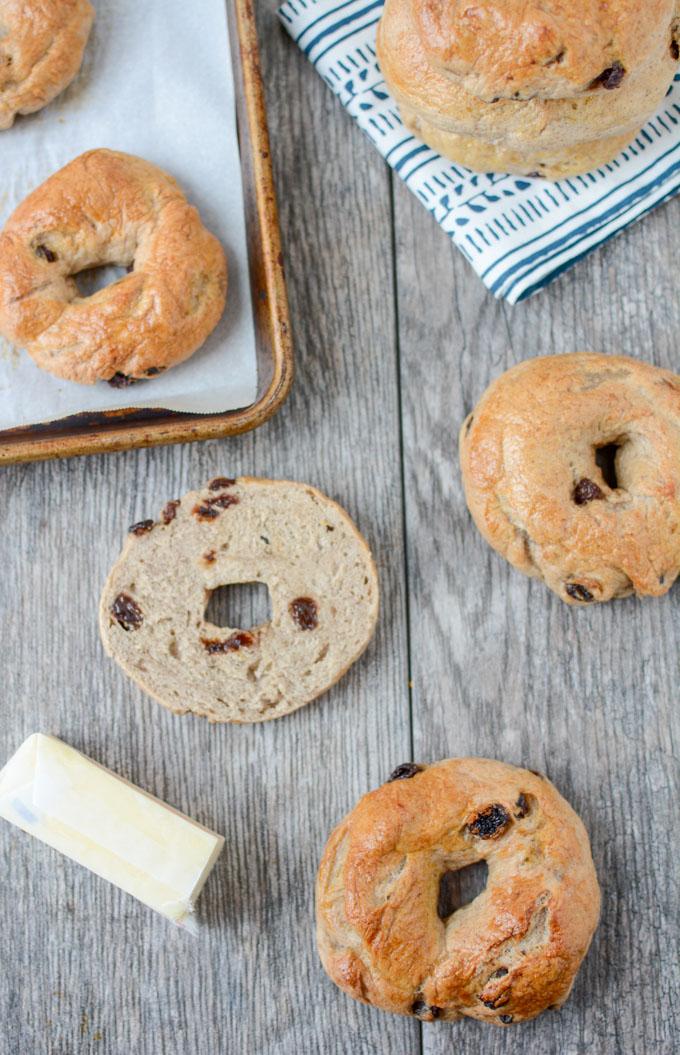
{"x":156,"y":81}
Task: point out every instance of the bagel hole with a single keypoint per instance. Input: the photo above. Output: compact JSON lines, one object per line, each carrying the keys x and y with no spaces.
{"x":459,"y":887}
{"x":241,"y":606}
{"x":94,"y":279}
{"x":605,"y":459}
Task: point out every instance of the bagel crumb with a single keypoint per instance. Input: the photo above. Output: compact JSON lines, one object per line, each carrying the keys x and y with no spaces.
{"x":223,"y":501}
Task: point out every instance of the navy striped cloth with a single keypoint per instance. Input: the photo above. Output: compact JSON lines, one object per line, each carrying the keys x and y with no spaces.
{"x":518,"y":233}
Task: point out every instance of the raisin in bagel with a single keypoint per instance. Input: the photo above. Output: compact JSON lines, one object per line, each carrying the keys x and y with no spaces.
{"x":386,"y":931}
{"x":571,"y":469}
{"x":322,"y":583}
{"x":41,"y":50}
{"x":109,"y":208}
{"x":547,"y":89}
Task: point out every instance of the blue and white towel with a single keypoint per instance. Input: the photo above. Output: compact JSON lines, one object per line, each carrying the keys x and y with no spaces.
{"x":518,"y":233}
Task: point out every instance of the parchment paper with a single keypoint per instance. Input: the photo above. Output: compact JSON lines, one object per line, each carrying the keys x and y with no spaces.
{"x":156,"y":81}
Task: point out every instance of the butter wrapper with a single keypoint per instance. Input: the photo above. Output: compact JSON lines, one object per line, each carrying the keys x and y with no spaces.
{"x":105,"y":823}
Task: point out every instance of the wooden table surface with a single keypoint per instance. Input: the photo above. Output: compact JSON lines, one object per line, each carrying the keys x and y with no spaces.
{"x":395,"y":340}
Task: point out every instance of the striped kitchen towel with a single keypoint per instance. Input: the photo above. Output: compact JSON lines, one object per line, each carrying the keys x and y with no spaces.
{"x":518,"y":233}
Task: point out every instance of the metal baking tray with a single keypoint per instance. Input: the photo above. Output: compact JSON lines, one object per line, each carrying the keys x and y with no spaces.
{"x":93,"y":433}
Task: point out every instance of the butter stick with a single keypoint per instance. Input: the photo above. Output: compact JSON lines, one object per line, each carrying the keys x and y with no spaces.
{"x":103,"y":822}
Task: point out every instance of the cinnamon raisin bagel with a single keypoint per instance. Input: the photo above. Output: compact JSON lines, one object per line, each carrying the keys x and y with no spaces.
{"x":571,"y":469}
{"x":109,"y":208}
{"x":388,"y":931}
{"x":553,"y":49}
{"x":323,"y":589}
{"x":548,"y":88}
{"x":41,"y":50}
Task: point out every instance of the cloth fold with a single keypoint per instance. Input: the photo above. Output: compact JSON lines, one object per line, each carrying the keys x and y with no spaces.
{"x":518,"y":233}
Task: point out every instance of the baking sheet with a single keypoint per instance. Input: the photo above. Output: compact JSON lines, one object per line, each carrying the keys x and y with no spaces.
{"x":156,"y":81}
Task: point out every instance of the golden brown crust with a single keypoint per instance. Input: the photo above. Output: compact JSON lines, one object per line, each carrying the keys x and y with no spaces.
{"x":109,"y":208}
{"x":555,"y":49}
{"x":571,"y":469}
{"x":550,"y":136}
{"x":507,"y":955}
{"x":41,"y":50}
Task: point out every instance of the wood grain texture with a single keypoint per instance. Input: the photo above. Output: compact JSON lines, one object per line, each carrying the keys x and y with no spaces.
{"x":84,"y":968}
{"x":395,"y":339}
{"x":502,"y":668}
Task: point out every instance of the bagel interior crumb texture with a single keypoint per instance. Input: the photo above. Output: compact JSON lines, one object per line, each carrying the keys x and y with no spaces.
{"x":571,"y":470}
{"x":389,"y":932}
{"x":41,"y":50}
{"x":108,"y":208}
{"x":540,"y":88}
{"x":322,"y":583}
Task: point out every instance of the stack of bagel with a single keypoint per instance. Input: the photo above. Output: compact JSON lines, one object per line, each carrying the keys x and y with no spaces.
{"x":546,"y":88}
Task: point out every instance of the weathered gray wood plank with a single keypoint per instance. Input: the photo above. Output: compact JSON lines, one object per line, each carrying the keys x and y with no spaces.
{"x":499,"y":667}
{"x":502,"y":668}
{"x":85,"y":969}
